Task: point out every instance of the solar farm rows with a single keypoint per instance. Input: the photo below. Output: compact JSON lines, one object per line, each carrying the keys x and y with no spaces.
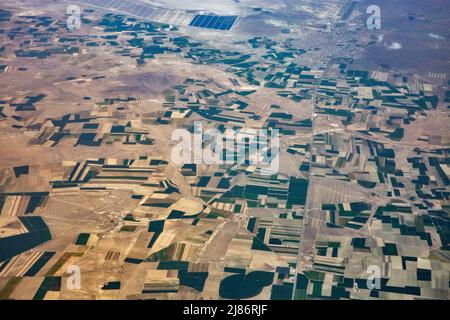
{"x":148,"y":12}
{"x":214,"y":22}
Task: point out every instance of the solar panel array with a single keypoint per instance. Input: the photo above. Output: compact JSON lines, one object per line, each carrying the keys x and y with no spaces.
{"x":172,"y":17}
{"x":214,"y":22}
